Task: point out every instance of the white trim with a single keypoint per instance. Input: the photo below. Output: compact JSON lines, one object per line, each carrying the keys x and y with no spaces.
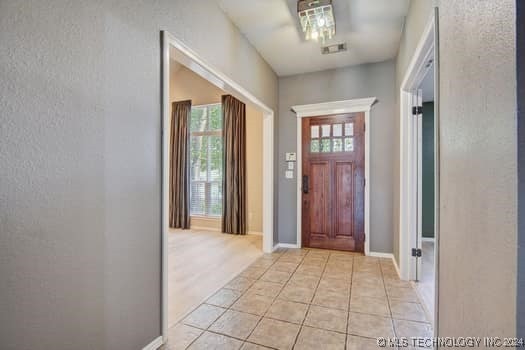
{"x":428,"y":45}
{"x":165,"y":181}
{"x":206,"y":105}
{"x":330,"y":108}
{"x":437,"y":169}
{"x":428,"y":239}
{"x":155,"y":344}
{"x":334,"y":107}
{"x":299,"y":200}
{"x":268,"y":181}
{"x":381,"y":255}
{"x":408,"y":166}
{"x":418,"y":137}
{"x":285,"y":245}
{"x":173,"y":48}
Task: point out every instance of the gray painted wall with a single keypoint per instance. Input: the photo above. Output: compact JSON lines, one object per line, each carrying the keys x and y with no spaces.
{"x":478,"y":163}
{"x":418,"y":16}
{"x":332,"y":85}
{"x":428,"y":171}
{"x":80,"y":163}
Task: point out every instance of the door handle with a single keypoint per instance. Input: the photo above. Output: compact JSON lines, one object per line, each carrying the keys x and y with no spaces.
{"x":305,"y":184}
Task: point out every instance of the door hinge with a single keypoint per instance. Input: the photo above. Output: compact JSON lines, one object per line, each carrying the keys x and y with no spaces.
{"x":417,"y":110}
{"x":416,"y":252}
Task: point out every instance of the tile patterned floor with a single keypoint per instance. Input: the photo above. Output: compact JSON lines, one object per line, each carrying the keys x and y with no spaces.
{"x":426,"y":285}
{"x":305,"y":299}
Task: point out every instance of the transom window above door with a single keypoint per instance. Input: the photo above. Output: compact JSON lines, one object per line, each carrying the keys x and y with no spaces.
{"x":332,"y":138}
{"x":206,"y":160}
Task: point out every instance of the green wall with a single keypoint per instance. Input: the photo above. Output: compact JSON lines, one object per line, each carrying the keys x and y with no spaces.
{"x":428,"y":170}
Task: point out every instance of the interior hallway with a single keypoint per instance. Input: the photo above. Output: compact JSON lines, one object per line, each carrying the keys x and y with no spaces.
{"x":305,"y":299}
{"x":199,"y":262}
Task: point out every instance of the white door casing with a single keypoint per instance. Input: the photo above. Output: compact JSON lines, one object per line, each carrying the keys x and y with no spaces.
{"x":331,"y":108}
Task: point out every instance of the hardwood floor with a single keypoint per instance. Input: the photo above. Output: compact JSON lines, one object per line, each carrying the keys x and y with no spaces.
{"x":200,"y":262}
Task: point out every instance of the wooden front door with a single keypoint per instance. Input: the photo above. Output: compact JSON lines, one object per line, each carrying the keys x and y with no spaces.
{"x":333,"y":183}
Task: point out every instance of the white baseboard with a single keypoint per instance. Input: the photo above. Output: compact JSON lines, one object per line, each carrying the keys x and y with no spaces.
{"x":381,"y":255}
{"x":427,"y":239}
{"x":287,"y":245}
{"x":155,"y":344}
{"x":284,"y":245}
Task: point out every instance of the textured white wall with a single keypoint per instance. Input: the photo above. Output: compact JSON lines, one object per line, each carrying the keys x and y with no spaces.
{"x":80,"y":162}
{"x":478,"y":244}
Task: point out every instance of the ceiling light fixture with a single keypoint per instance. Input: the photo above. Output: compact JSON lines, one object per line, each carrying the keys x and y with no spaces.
{"x":317,"y":19}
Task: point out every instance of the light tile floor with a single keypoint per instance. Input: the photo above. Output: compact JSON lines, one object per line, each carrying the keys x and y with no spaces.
{"x":426,"y":285}
{"x":305,"y":299}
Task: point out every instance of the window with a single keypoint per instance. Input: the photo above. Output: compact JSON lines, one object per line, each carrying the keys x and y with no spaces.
{"x":328,"y":138}
{"x":206,"y":160}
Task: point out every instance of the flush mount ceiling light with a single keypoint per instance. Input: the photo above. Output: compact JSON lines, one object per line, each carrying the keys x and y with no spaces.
{"x":317,"y":19}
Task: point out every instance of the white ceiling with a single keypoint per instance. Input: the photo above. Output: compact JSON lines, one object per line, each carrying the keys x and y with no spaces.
{"x":371,"y":28}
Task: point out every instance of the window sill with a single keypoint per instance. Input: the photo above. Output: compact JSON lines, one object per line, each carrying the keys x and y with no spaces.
{"x":204,"y":217}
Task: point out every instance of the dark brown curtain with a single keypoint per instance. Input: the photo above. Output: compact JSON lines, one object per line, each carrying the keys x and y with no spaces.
{"x":179,"y":170}
{"x":234,"y":183}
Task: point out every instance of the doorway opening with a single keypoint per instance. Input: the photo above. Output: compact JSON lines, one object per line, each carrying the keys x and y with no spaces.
{"x":361,"y":106}
{"x":419,"y":171}
{"x":425,"y":237}
{"x":185,"y":76}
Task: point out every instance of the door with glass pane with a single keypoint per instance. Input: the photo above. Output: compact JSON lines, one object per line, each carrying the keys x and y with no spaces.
{"x":333,"y":155}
